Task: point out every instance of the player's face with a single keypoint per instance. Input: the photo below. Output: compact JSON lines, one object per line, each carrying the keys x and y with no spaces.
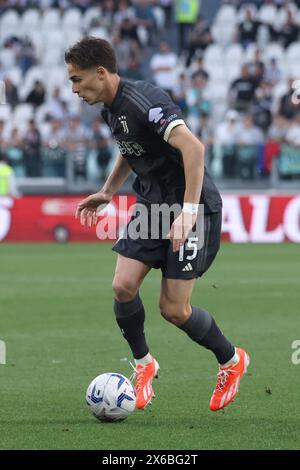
{"x":89,"y":85}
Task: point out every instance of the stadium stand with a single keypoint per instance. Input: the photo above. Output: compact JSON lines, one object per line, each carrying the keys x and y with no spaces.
{"x":243,"y":63}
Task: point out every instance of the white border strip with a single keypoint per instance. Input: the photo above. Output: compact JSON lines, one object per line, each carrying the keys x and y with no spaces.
{"x":171,"y":126}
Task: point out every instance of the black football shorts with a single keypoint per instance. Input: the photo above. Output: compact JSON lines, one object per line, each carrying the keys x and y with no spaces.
{"x":192,"y":261}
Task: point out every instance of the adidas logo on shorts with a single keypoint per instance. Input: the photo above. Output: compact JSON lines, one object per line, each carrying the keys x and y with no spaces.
{"x":188,"y":267}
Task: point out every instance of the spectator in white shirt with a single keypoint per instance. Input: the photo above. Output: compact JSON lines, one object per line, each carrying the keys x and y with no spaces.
{"x":163,"y":65}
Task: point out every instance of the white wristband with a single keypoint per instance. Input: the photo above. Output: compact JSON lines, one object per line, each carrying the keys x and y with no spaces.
{"x":190,"y":208}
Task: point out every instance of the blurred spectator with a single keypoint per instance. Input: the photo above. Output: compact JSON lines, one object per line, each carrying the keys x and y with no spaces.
{"x":11,"y":93}
{"x":205,"y":132}
{"x":54,"y":154}
{"x":36,"y":96}
{"x":134,"y":69}
{"x":248,"y":28}
{"x":77,"y":142}
{"x":15,"y":152}
{"x":289,"y":31}
{"x":107,"y":15}
{"x":163,"y":65}
{"x":287,"y":108}
{"x":227,"y":137}
{"x":242,"y":90}
{"x":127,"y":50}
{"x":144,"y":18}
{"x":186,"y":14}
{"x":198,"y":98}
{"x":273,"y":72}
{"x":124,"y":12}
{"x":199,"y":39}
{"x":257,"y":67}
{"x":8,"y":183}
{"x":249,"y":133}
{"x":32,"y":147}
{"x":26,"y":56}
{"x":278,"y":129}
{"x":54,"y":106}
{"x":293,"y":133}
{"x":179,"y":93}
{"x":3,"y":134}
{"x":167,"y":6}
{"x":101,"y":138}
{"x":250,"y":137}
{"x":262,"y":105}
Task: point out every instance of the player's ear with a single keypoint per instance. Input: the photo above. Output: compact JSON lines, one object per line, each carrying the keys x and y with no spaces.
{"x":101,"y":72}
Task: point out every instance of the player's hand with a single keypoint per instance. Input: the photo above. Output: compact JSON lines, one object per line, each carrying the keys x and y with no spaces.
{"x":89,"y":207}
{"x":180,"y":229}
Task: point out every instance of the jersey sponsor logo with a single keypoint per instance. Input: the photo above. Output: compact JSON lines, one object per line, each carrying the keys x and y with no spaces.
{"x":123,"y":121}
{"x":155,"y":114}
{"x":130,"y":148}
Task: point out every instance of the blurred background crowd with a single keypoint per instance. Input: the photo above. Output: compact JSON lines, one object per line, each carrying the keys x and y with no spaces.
{"x":232,"y":66}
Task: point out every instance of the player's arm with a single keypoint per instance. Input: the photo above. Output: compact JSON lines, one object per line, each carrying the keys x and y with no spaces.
{"x":119,"y":174}
{"x":88,"y":208}
{"x":192,"y":151}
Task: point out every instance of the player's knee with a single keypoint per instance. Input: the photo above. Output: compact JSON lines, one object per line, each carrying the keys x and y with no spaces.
{"x":174,"y":313}
{"x":124,"y":290}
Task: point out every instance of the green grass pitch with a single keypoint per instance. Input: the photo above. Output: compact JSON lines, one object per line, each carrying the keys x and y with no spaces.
{"x":57,"y":322}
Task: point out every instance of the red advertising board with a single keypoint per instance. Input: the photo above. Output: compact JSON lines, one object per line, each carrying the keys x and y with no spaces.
{"x":256,"y":218}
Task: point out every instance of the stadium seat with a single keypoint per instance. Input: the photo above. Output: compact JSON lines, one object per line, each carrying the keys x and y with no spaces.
{"x":223,"y":34}
{"x":99,"y":32}
{"x":234,"y":54}
{"x":293,"y":70}
{"x":5,"y":112}
{"x":273,"y":50}
{"x":241,"y":13}
{"x":53,"y":39}
{"x":233,"y":71}
{"x":267,"y":14}
{"x":226,"y":14}
{"x":249,"y":54}
{"x":51,"y":19}
{"x":9,"y":20}
{"x":219,"y":90}
{"x":34,"y":73}
{"x":56,"y":76}
{"x":72,"y":18}
{"x":293,"y":53}
{"x":8,"y":32}
{"x":15,"y":75}
{"x":282,"y":14}
{"x":36,"y":38}
{"x":213,"y":55}
{"x":71,"y":36}
{"x":216,"y":72}
{"x":7,"y":58}
{"x":143,"y":35}
{"x":22,"y":112}
{"x":89,"y":15}
{"x":31,"y":19}
{"x":53,"y":56}
{"x":159,"y":16}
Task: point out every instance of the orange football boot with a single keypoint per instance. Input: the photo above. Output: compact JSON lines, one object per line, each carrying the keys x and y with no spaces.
{"x":143,"y":382}
{"x":228,"y":381}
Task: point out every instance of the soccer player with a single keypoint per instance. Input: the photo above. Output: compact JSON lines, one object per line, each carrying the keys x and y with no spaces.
{"x":168,"y":161}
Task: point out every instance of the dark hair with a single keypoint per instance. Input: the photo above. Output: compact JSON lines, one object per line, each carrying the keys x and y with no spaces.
{"x":92,"y":52}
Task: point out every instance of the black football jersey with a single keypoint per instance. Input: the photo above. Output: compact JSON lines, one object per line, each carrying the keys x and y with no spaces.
{"x":141,"y":118}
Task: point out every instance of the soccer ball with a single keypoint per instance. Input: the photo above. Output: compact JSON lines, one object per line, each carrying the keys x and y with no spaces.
{"x":111,"y":397}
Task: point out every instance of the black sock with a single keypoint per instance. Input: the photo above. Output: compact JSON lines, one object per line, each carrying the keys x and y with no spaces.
{"x":202,"y":328}
{"x":130,"y":318}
